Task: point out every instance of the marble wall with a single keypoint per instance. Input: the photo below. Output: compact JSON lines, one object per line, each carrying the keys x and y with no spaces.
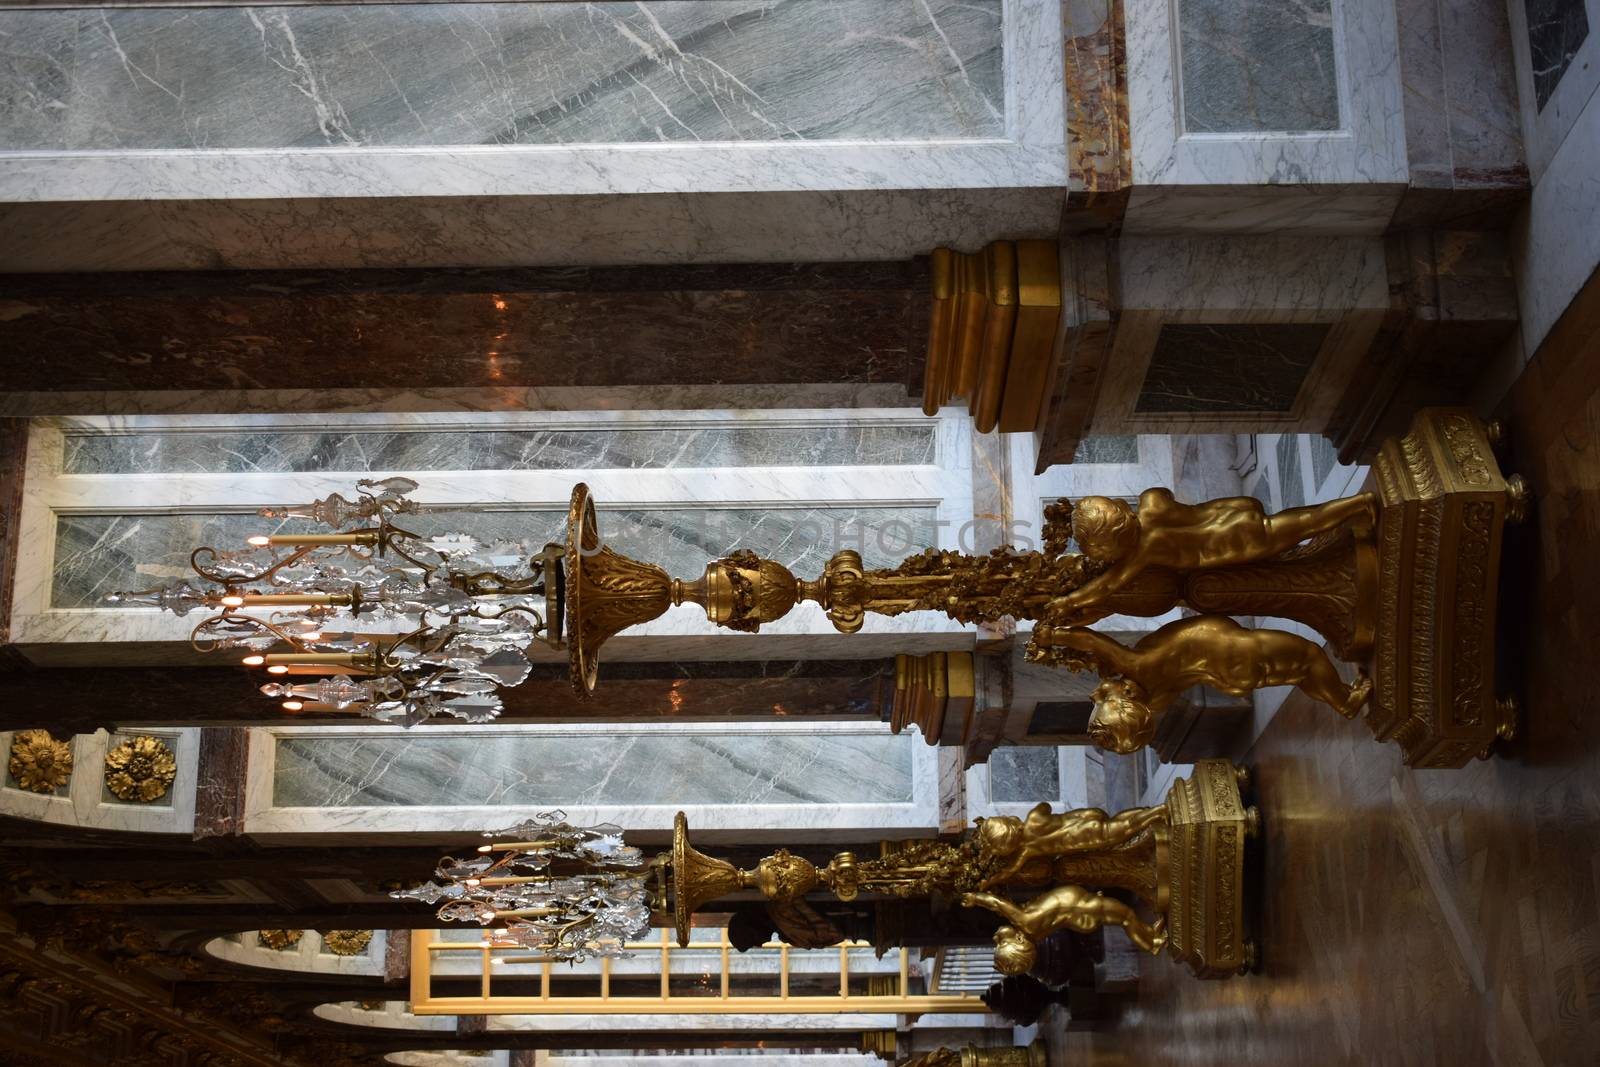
{"x":1556,"y":30}
{"x":1556,"y":243}
{"x":1463,"y":132}
{"x":590,"y":768}
{"x":1024,"y":773}
{"x":1257,"y":66}
{"x":843,"y":444}
{"x":1260,"y":116}
{"x":1240,"y":367}
{"x":500,"y":73}
{"x":548,"y":133}
{"x":758,"y":777}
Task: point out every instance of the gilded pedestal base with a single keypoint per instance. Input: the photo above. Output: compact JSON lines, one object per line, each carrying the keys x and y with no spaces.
{"x":1208,"y":824}
{"x":1444,"y":504}
{"x":1031,"y":1055}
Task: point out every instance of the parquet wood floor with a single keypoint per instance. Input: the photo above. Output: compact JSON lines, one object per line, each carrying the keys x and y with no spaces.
{"x":1438,"y":917}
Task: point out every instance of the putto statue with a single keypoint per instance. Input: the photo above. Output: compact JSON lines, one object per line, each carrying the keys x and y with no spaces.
{"x":1142,"y":681}
{"x":1027,"y":847}
{"x":1184,"y":538}
{"x":1064,"y":907}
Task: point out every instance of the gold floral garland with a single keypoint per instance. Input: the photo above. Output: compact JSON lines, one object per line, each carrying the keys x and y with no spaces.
{"x":279,"y":940}
{"x":40,"y":763}
{"x":141,"y":769}
{"x":347,"y":942}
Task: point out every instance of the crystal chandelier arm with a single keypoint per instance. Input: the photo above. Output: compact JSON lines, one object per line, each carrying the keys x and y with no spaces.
{"x":244,"y":579}
{"x":203,"y":641}
{"x":390,"y":539}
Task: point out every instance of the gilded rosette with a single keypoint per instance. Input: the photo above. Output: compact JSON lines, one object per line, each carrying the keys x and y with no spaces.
{"x":347,"y":942}
{"x":39,"y":763}
{"x":141,"y":769}
{"x":279,"y":940}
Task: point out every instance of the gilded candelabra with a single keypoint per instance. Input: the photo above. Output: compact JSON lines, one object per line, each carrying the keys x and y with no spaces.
{"x":1401,"y":580}
{"x":1182,"y":861}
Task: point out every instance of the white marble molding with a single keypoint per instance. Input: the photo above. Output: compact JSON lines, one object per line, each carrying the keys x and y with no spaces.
{"x":734,"y":820}
{"x":1030,"y":154}
{"x":1185,"y":168}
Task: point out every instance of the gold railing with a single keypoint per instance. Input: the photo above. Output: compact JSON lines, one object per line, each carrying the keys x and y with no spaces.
{"x":427,"y":949}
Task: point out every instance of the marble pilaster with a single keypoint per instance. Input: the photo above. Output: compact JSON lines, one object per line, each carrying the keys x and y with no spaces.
{"x":1225,"y":119}
{"x":1463,"y":132}
{"x":752,"y":130}
{"x":737,"y":782}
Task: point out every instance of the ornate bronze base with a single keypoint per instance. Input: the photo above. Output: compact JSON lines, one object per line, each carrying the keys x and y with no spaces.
{"x":1031,"y":1055}
{"x":1444,"y":506}
{"x":1208,"y":824}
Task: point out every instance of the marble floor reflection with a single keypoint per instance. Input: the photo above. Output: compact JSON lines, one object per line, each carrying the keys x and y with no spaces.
{"x":1437,"y":917}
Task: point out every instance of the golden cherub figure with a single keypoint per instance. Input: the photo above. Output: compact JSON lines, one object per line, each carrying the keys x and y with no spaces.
{"x":1187,"y":537}
{"x":1029,"y":844}
{"x":1142,"y":681}
{"x":1065,"y":906}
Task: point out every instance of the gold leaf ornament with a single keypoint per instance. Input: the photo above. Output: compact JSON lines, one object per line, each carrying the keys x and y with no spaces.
{"x":40,"y":763}
{"x":279,"y":940}
{"x":141,"y":769}
{"x":347,"y":942}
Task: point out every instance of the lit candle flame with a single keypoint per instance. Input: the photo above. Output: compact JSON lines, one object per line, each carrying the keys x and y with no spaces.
{"x":254,"y":661}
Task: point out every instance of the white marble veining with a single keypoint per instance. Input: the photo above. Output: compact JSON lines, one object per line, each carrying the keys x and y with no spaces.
{"x":1261,"y":273}
{"x":87,"y":802}
{"x":550,"y":73}
{"x":736,"y":817}
{"x":1238,"y":209}
{"x":1463,"y":123}
{"x":853,"y":213}
{"x":1368,"y":149}
{"x":1565,"y":114}
{"x":1070,"y":780}
{"x":650,"y":765}
{"x":1030,"y":152}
